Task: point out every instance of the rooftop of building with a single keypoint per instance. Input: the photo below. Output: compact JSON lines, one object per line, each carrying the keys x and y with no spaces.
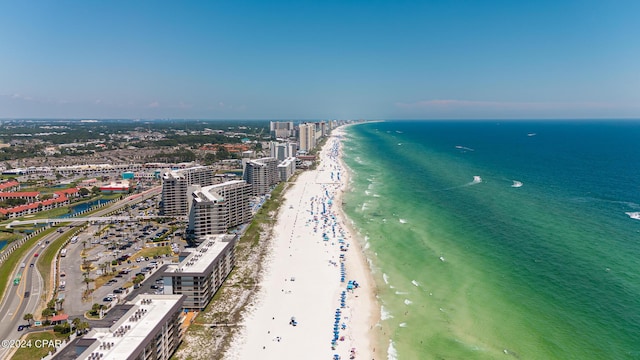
{"x":210,"y":193}
{"x":204,"y":255}
{"x":180,"y":173}
{"x":121,"y":340}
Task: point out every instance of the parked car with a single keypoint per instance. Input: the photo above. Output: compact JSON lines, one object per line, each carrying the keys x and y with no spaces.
{"x":107,"y":299}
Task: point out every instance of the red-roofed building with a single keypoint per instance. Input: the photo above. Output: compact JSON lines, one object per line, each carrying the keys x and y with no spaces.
{"x":59,"y":199}
{"x":10,"y":185}
{"x":58,"y":319}
{"x":116,"y":187}
{"x":71,"y":192}
{"x":27,"y":195}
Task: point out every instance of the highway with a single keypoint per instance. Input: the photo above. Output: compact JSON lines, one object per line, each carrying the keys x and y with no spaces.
{"x":24,"y":298}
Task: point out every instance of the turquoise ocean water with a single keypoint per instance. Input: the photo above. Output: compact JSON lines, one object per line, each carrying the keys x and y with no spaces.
{"x":499,"y":240}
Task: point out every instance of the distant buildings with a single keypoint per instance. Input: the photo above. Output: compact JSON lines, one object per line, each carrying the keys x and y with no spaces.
{"x":175,"y":185}
{"x":150,"y":329}
{"x":122,"y":186}
{"x":201,"y":272}
{"x":310,"y":133}
{"x":216,"y":208}
{"x":282,"y":151}
{"x":282,"y":129}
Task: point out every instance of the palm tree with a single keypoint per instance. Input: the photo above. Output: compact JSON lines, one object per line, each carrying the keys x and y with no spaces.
{"x":46,"y":313}
{"x":103,"y":267}
{"x":87,"y":280}
{"x":28,"y":317}
{"x":59,"y":302}
{"x":52,"y":304}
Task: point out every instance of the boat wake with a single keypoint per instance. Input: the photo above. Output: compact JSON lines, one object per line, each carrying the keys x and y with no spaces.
{"x":634,"y":215}
{"x":464,"y":148}
{"x":476,"y":180}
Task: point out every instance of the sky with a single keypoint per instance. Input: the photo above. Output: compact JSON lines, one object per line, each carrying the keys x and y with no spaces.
{"x":325,"y":59}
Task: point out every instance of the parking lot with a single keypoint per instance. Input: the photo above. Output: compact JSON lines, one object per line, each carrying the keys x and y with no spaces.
{"x":112,"y":256}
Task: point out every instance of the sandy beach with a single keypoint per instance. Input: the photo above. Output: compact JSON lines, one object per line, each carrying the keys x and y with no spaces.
{"x":316,"y":299}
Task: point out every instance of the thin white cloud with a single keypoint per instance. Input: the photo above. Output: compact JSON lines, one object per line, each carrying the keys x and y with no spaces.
{"x":154,"y":104}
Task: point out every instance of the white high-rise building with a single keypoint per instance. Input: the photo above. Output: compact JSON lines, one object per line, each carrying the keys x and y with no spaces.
{"x":287,"y":168}
{"x":201,"y":272}
{"x":175,"y":185}
{"x":281,"y":151}
{"x":216,"y":208}
{"x":307,"y":136}
{"x":261,"y":174}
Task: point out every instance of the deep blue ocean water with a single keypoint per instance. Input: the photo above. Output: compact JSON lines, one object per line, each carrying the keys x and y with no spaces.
{"x":501,"y":239}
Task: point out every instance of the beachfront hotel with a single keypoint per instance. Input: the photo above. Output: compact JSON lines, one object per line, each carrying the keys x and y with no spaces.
{"x":201,"y":272}
{"x":175,"y":185}
{"x":307,"y":136}
{"x":286,"y":169}
{"x":310,"y":133}
{"x":261,"y":174}
{"x":216,"y":208}
{"x":150,"y":329}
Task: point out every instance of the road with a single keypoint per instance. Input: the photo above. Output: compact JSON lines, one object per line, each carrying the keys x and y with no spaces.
{"x":22,"y":298}
{"x":15,"y":304}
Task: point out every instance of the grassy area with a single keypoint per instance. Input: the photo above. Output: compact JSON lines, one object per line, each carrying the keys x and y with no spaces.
{"x":263,"y":216}
{"x":101,"y":280}
{"x":6,"y":269}
{"x":40,"y":351}
{"x":112,"y":196}
{"x":153,"y":251}
{"x":46,"y":258}
{"x":9,"y":236}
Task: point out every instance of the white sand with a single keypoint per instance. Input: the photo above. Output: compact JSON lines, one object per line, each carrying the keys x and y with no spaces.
{"x":302,"y":278}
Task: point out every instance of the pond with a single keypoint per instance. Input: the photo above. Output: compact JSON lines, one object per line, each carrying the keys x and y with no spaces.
{"x":84,"y":206}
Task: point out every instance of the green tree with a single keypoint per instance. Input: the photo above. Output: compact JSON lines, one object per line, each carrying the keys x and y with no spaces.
{"x":52,"y":304}
{"x":222,"y":153}
{"x":28,"y":317}
{"x":84,"y":192}
{"x":46,"y":313}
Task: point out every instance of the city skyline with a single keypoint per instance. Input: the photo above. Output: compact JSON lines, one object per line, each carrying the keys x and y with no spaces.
{"x":319,"y":60}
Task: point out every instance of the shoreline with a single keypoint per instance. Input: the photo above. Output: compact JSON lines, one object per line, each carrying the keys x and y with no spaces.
{"x":303,"y":276}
